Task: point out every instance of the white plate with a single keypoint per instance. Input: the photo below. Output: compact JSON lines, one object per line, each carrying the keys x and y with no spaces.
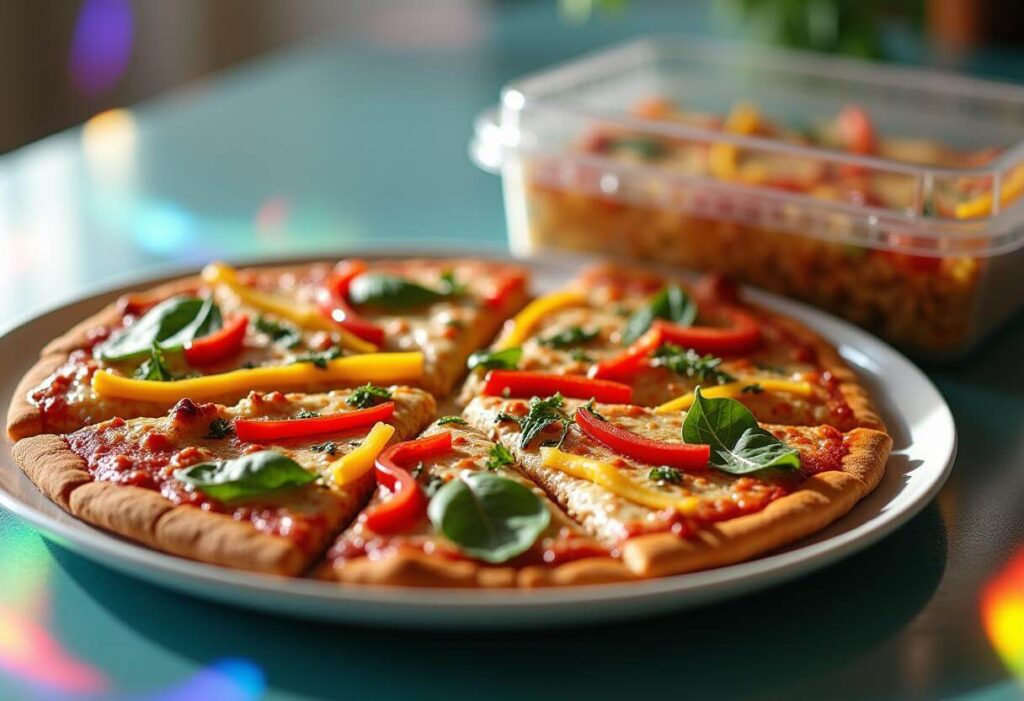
{"x":918,"y":418}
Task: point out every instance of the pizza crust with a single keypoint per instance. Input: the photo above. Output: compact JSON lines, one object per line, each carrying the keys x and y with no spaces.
{"x":24,"y":418}
{"x":821,"y":499}
{"x":410,"y":568}
{"x":147,"y":517}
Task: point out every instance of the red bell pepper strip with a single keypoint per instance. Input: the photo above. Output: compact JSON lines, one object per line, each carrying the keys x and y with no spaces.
{"x":257,"y":431}
{"x":506,"y":287}
{"x":333,"y":303}
{"x":685,"y":456}
{"x":518,"y":383}
{"x":622,"y":367}
{"x":407,"y":504}
{"x":858,"y":135}
{"x":219,"y":345}
{"x":741,"y":336}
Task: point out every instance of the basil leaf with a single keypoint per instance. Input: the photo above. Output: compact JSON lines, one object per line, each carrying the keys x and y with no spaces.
{"x":248,"y":476}
{"x":738,"y":445}
{"x":390,"y":292}
{"x":489,"y":517}
{"x":689,"y":363}
{"x":172,"y":323}
{"x":498,"y":457}
{"x":507,"y":359}
{"x":280,"y":333}
{"x":671,"y":303}
{"x":541,"y":414}
{"x":457,"y":420}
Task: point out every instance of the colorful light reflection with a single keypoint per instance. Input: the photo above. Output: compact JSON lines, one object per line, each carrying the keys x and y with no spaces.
{"x":225,"y":680}
{"x":101,"y":45}
{"x":1002,"y":614}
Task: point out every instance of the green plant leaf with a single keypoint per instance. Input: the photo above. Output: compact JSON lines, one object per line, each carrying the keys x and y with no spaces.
{"x":572,"y":336}
{"x":391,"y":292}
{"x":248,"y":476}
{"x":507,"y":359}
{"x":671,"y":303}
{"x":738,"y":445}
{"x":489,"y":517}
{"x":171,"y":324}
{"x":367,"y":396}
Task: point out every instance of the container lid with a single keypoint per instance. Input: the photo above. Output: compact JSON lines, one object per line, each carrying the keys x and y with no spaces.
{"x":944,"y":175}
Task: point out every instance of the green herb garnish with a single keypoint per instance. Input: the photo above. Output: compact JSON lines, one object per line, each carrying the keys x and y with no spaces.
{"x":220,"y":428}
{"x":449,"y":286}
{"x":328,"y":447}
{"x":572,"y":336}
{"x":307,"y":414}
{"x":669,"y":475}
{"x":282,"y":334}
{"x":245,"y":477}
{"x":170,"y":324}
{"x":499,"y":457}
{"x":755,"y":388}
{"x":507,"y":359}
{"x":154,"y":368}
{"x":580,"y":355}
{"x":457,"y":420}
{"x":367,"y":396}
{"x":541,"y":414}
{"x":738,"y":444}
{"x":488,"y":516}
{"x":689,"y":363}
{"x":318,"y":358}
{"x":671,"y":303}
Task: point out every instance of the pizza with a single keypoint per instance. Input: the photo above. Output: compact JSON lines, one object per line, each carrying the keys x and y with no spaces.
{"x":288,"y":421}
{"x":461,"y":469}
{"x":258,"y":485}
{"x":675,"y":492}
{"x":647,"y":340}
{"x":298,"y":328}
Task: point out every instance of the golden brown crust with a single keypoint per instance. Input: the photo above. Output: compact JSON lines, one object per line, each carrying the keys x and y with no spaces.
{"x":821,"y":499}
{"x":52,"y":466}
{"x":23,"y":417}
{"x":410,"y":568}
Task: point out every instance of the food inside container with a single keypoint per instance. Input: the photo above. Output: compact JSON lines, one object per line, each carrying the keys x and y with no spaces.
{"x":889,"y":196}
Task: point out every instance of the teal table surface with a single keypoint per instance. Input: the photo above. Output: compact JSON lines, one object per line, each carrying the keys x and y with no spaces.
{"x":361,"y":140}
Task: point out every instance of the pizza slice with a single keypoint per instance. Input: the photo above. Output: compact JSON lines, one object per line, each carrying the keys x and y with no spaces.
{"x":675,"y":492}
{"x":454,"y":511}
{"x":262,"y":485}
{"x":305,"y":328}
{"x":629,"y":336}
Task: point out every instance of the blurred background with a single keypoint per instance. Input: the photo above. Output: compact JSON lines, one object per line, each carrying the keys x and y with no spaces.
{"x":63,"y":61}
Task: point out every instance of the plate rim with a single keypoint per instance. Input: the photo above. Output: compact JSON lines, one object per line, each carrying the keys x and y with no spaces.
{"x":293,"y":593}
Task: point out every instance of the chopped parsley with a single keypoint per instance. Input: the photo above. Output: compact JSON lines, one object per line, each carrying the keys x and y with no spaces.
{"x":499,"y":457}
{"x":318,"y":358}
{"x":669,"y":475}
{"x":367,"y":396}
{"x":541,"y":414}
{"x":307,"y":414}
{"x":457,"y":420}
{"x":589,"y":406}
{"x":280,"y":333}
{"x":755,"y":388}
{"x":328,"y":447}
{"x":689,"y":363}
{"x":572,"y":336}
{"x":220,"y":428}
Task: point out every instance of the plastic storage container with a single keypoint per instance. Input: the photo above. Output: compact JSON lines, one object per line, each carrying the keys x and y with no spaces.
{"x":739,"y":161}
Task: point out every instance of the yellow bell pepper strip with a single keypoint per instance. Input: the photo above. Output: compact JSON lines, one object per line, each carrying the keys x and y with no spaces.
{"x":615,"y":481}
{"x":723,"y":158}
{"x":349,"y":468}
{"x":981,"y":206}
{"x":380,"y":368}
{"x":735,"y":389}
{"x":523,"y":323}
{"x":306,"y":316}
